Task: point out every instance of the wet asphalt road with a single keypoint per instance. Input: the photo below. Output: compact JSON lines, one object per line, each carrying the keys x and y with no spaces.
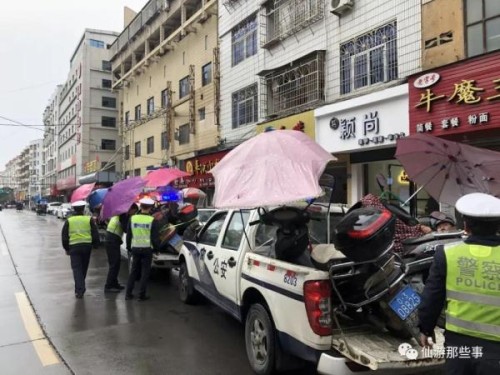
{"x":103,"y":333}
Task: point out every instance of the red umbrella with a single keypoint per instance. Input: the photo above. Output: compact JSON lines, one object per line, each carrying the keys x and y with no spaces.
{"x":448,"y":170}
{"x":163,"y":176}
{"x":82,"y":192}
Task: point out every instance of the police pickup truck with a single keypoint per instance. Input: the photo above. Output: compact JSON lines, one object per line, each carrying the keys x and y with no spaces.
{"x":286,"y":308}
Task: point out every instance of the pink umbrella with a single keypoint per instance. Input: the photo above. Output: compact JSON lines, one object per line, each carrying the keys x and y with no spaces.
{"x":447,"y":170}
{"x":270,"y":169}
{"x":82,"y":192}
{"x":163,"y":176}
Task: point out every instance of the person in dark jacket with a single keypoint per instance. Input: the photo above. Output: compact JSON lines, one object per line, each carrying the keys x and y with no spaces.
{"x":142,"y":240}
{"x":464,"y":278}
{"x":79,"y":235}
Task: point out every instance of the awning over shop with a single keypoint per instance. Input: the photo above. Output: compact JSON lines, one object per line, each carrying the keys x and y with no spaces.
{"x":98,"y":177}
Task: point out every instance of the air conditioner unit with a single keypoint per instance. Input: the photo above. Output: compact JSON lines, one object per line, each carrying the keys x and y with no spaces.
{"x":166,"y":5}
{"x":203,"y":17}
{"x":339,"y":7}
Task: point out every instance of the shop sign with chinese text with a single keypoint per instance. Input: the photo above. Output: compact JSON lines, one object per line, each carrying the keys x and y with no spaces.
{"x":371,"y":121}
{"x":459,"y":98}
{"x":200,"y":167}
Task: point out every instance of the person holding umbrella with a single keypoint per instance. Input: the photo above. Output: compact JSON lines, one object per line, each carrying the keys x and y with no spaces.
{"x":465,"y":275}
{"x":79,"y":235}
{"x":142,"y":234}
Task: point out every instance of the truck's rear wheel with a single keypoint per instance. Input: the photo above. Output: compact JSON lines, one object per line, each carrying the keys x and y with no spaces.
{"x":187,"y":293}
{"x":260,"y":340}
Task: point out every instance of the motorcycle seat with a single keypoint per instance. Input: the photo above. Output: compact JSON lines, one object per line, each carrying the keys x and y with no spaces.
{"x":323,"y":254}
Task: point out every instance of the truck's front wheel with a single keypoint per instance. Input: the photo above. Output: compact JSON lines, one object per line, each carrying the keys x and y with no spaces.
{"x":187,"y":293}
{"x":260,"y":340}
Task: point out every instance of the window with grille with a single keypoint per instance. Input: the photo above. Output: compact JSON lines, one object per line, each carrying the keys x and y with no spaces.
{"x":106,"y":65}
{"x":127,"y":152}
{"x":206,"y":74}
{"x":164,"y":98}
{"x":286,"y":17}
{"x":151,"y":106}
{"x":482,"y":18}
{"x":106,"y":83}
{"x":244,"y":40}
{"x":369,"y":59}
{"x":108,"y":122}
{"x":164,"y":141}
{"x":137,"y":149}
{"x":184,"y":134}
{"x":108,"y":144}
{"x":201,"y":114}
{"x":137,"y":172}
{"x":127,"y":118}
{"x":296,"y":86}
{"x":150,"y":145}
{"x":137,"y":112}
{"x":183,"y":87}
{"x":244,"y":106}
{"x":108,"y":102}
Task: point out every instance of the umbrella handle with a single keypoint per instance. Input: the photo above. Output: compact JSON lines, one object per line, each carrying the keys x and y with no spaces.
{"x":415,"y":193}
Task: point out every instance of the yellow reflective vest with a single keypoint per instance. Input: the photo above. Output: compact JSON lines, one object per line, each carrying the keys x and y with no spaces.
{"x":115,"y":227}
{"x":140,"y":225}
{"x":473,"y":290}
{"x":79,"y":230}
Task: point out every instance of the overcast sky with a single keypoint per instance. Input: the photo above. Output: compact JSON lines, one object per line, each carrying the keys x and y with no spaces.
{"x":37,"y":38}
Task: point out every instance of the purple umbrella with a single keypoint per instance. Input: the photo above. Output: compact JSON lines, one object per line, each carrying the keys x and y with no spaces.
{"x":121,"y":196}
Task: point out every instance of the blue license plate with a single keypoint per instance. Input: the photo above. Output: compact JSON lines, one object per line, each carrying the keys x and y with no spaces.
{"x":405,"y":302}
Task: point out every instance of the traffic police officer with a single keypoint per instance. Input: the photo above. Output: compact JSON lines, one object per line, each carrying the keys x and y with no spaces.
{"x":467,"y":276}
{"x":114,"y":233}
{"x":141,"y":239}
{"x":79,"y":235}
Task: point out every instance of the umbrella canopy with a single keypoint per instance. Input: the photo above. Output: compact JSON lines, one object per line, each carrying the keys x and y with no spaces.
{"x":96,"y":197}
{"x":193,"y":193}
{"x":120,"y":196}
{"x":448,"y":170}
{"x":163,"y":176}
{"x":82,"y":192}
{"x":272,"y":168}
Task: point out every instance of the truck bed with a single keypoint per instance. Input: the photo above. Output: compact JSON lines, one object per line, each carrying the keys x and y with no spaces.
{"x":377,"y":350}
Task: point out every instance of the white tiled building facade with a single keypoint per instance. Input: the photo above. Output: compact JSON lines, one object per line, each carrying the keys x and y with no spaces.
{"x":286,"y":56}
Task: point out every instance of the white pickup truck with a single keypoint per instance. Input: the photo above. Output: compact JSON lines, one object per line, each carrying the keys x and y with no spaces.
{"x":286,"y":308}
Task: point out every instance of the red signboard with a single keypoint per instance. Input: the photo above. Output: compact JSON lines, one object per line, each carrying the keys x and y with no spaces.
{"x":199,"y":167}
{"x":463,"y":97}
{"x":66,"y":183}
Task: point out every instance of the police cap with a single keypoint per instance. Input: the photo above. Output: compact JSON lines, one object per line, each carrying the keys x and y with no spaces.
{"x":479,"y":206}
{"x":78,"y":204}
{"x":146,"y":201}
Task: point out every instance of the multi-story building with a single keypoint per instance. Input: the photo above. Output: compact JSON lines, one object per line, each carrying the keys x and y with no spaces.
{"x":35,"y":170}
{"x":23,"y":175}
{"x":88,"y":139}
{"x":165,"y":64}
{"x":50,"y":149}
{"x":312,"y":65}
{"x":10,"y":174}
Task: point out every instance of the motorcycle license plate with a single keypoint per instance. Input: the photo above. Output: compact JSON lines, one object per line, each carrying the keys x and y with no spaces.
{"x":405,"y":302}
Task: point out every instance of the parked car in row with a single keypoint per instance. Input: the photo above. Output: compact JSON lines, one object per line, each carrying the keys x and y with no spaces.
{"x":63,"y":211}
{"x":51,"y":207}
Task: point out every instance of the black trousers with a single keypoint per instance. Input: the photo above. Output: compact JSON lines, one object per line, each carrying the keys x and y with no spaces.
{"x":141,"y":263}
{"x":80,"y":258}
{"x":472,"y":367}
{"x":114,"y":262}
{"x":487,"y":363}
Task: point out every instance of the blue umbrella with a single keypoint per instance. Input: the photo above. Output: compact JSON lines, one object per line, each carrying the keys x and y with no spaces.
{"x":96,"y":197}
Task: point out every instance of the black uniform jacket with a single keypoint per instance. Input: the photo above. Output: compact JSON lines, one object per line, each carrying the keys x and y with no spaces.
{"x":434,"y":298}
{"x":94,"y":232}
